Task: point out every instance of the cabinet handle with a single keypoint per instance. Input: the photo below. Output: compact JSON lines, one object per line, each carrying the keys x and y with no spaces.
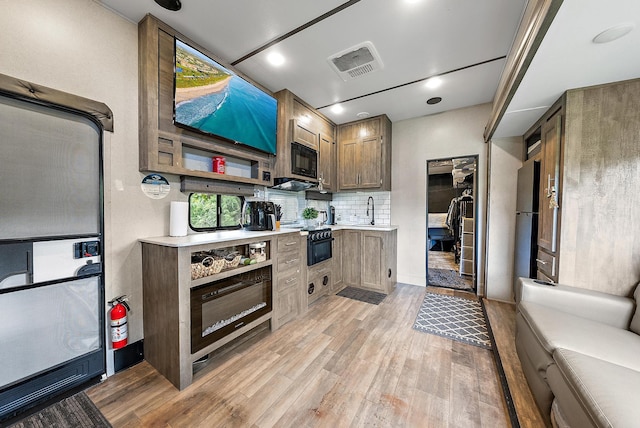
{"x":289,"y":281}
{"x":291,"y":261}
{"x":289,"y":244}
{"x":548,"y":189}
{"x":542,"y":262}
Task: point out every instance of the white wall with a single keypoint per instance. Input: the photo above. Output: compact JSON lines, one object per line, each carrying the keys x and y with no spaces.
{"x":451,"y":134}
{"x":504,"y":161}
{"x":78,"y":46}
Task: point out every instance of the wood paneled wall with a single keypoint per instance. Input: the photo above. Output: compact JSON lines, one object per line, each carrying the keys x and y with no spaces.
{"x":600,"y":233}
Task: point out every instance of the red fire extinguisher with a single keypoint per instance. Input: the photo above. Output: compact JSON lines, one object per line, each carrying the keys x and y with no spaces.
{"x":118,"y":316}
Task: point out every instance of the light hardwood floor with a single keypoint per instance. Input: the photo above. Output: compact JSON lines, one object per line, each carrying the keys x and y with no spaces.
{"x":502,"y":320}
{"x":345,"y":363}
{"x":442,"y":260}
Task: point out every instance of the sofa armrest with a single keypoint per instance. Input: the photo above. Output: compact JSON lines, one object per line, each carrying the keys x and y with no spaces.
{"x":605,"y":308}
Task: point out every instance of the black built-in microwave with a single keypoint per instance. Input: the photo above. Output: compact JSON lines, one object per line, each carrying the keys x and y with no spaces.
{"x":304,"y":160}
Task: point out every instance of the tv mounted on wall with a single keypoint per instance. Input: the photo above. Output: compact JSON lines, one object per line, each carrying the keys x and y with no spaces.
{"x":213,"y":100}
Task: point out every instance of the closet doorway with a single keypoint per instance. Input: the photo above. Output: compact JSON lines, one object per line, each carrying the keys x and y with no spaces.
{"x":451,"y":223}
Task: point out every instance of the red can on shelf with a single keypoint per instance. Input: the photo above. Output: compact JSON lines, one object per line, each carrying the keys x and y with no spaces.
{"x":218,"y":164}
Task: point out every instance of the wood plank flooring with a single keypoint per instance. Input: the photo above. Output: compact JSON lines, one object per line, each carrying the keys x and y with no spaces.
{"x":442,"y":260}
{"x":344,"y":363}
{"x":502,"y":320}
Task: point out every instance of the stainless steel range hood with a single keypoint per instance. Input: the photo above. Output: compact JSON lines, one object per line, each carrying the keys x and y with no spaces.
{"x":292,"y":184}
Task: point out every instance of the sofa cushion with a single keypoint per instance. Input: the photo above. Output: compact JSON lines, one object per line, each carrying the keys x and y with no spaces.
{"x":635,"y":321}
{"x":594,"y":392}
{"x":594,"y":305}
{"x":555,"y":329}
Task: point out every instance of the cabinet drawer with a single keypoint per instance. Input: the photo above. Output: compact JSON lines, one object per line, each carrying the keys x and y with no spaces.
{"x":289,"y":260}
{"x":289,"y":243}
{"x":320,"y":269}
{"x":546,"y":263}
{"x":289,"y":280}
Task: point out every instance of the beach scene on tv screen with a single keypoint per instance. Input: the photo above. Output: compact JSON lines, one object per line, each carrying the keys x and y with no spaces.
{"x":214,"y":100}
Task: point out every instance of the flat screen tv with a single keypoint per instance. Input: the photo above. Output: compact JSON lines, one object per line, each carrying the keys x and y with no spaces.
{"x":211,"y":99}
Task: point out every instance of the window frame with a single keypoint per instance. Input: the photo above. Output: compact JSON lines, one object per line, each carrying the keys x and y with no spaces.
{"x":218,"y":213}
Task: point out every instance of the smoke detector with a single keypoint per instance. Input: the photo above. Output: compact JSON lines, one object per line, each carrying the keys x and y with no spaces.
{"x":356,"y":61}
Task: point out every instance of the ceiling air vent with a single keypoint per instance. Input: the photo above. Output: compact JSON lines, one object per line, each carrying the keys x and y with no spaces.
{"x":356,"y":61}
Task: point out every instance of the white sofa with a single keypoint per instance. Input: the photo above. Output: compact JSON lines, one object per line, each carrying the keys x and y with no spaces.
{"x":580,"y":352}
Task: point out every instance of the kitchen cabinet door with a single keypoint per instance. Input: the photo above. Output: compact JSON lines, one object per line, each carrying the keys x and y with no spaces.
{"x":303,"y":134}
{"x":360,"y":164}
{"x":286,"y":305}
{"x":550,"y":186}
{"x":349,"y":165}
{"x":327,"y":162}
{"x":364,"y":154}
{"x":351,"y":257}
{"x":370,"y":163}
{"x":373,"y":261}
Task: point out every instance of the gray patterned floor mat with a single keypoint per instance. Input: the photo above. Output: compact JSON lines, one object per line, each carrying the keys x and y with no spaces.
{"x":455,"y":318}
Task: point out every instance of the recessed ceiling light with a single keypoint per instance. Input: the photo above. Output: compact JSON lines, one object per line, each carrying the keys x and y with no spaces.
{"x":363,"y":114}
{"x":276,"y":59}
{"x":170,"y":4}
{"x":337,"y":109}
{"x":434,"y":100}
{"x":614,"y":33}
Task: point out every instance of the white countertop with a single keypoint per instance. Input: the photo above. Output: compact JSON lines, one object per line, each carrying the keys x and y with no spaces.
{"x":380,"y":228}
{"x":234,"y":235}
{"x":213,"y":237}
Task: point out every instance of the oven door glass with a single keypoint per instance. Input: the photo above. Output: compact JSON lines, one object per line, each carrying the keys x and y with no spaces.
{"x":318,"y":251}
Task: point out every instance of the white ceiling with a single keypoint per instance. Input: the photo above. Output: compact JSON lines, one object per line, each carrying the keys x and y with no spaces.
{"x":567,"y":59}
{"x":415,"y":39}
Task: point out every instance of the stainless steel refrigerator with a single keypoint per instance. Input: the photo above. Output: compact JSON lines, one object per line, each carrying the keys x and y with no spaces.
{"x":526,"y":246}
{"x":52,"y":334}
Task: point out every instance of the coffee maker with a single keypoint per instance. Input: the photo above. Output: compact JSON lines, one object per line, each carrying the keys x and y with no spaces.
{"x":331,"y":215}
{"x":258,"y":215}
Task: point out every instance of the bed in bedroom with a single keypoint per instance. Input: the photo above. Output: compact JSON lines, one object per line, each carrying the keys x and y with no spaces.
{"x":438,"y":231}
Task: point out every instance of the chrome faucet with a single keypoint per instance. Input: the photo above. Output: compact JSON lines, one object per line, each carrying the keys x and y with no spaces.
{"x":373,"y":210}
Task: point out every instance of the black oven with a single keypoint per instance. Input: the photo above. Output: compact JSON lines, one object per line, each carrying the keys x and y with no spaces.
{"x":304,"y":160}
{"x":319,"y":246}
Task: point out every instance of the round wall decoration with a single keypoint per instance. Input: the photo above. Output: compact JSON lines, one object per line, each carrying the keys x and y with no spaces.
{"x":155,"y":186}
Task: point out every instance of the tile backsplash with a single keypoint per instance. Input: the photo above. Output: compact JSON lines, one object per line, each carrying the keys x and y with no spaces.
{"x":351,"y":208}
